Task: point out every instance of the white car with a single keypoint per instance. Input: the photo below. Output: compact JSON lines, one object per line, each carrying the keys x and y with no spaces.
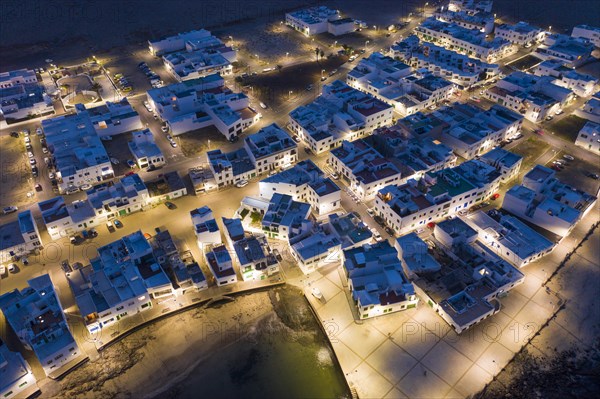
{"x":85,"y":187}
{"x":370,"y":211}
{"x":568,"y":157}
{"x":147,"y":105}
{"x":12,"y":268}
{"x":241,"y":183}
{"x":2,"y":270}
{"x":164,"y":129}
{"x":316,"y":293}
{"x":27,"y":140}
{"x":262,"y":105}
{"x":173,"y":144}
{"x":114,"y":161}
{"x":9,"y":209}
{"x":335,"y":176}
{"x":30,"y":154}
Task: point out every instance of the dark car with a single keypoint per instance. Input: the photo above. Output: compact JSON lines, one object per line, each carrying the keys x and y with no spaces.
{"x":93,"y":233}
{"x":170,"y":205}
{"x":389,"y":231}
{"x":65,"y":266}
{"x":307,"y":150}
{"x":117,"y":223}
{"x":379,"y":220}
{"x":14,"y":134}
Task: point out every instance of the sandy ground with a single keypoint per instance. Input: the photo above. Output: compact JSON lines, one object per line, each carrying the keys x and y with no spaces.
{"x":151,"y":362}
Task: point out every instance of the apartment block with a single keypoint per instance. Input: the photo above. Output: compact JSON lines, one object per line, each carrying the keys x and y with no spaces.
{"x":505,"y":162}
{"x":315,"y":20}
{"x":471,"y":42}
{"x":339,"y":113}
{"x":304,"y":182}
{"x":520,"y":33}
{"x":121,"y":281}
{"x":588,"y":32}
{"x":574,"y":52}
{"x":256,"y":261}
{"x":469,"y":130}
{"x":509,"y":238}
{"x":36,"y":316}
{"x":589,"y":137}
{"x":144,"y":150}
{"x":416,"y":256}
{"x":437,"y":195}
{"x":482,"y":21}
{"x":221,"y":265}
{"x":389,"y":156}
{"x":284,"y":217}
{"x":547,"y":202}
{"x":79,"y":156}
{"x":471,"y":6}
{"x":581,"y":84}
{"x":205,"y":226}
{"x":112,"y":118}
{"x":468,"y":286}
{"x":376,"y":280}
{"x":16,"y":376}
{"x":19,"y":237}
{"x":232,"y":167}
{"x":198,"y":103}
{"x":455,"y":67}
{"x":535,"y":97}
{"x":394,"y":83}
{"x":22,"y":96}
{"x":271,"y":149}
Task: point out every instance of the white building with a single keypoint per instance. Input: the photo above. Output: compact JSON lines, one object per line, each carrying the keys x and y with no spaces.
{"x":468,"y":287}
{"x":202,"y":102}
{"x":205,"y":227}
{"x":505,"y":162}
{"x":232,"y":167}
{"x":450,"y":65}
{"x":284,"y":217}
{"x":339,"y":113}
{"x":220,"y":264}
{"x":177,"y":42}
{"x":482,"y":21}
{"x":23,"y":96}
{"x":307,"y":183}
{"x":120,"y":282}
{"x":376,"y":280}
{"x":581,"y":84}
{"x":389,"y":156}
{"x":314,"y":249}
{"x":392,"y":82}
{"x":19,"y":237}
{"x":271,"y":149}
{"x":315,"y":20}
{"x":509,"y":238}
{"x":16,"y":377}
{"x":471,"y":42}
{"x":103,"y":202}
{"x":436,"y":196}
{"x":573,"y":51}
{"x":545,"y":201}
{"x":520,"y":33}
{"x":144,"y":150}
{"x":79,"y":156}
{"x":591,"y":109}
{"x":111,"y":119}
{"x":469,"y":130}
{"x":37,"y":318}
{"x":471,"y":6}
{"x":589,"y":137}
{"x":535,"y":97}
{"x":588,"y":32}
{"x":166,"y":187}
{"x":256,"y":261}
{"x":202,"y":56}
{"x":415,"y":256}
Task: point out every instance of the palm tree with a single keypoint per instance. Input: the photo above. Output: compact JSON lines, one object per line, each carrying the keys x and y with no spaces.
{"x":317,"y":53}
{"x":322,"y":53}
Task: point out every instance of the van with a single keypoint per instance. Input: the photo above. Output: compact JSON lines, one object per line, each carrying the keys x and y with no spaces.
{"x":110,"y":226}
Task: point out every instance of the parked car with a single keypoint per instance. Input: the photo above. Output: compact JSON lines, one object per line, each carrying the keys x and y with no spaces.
{"x":110,"y":226}
{"x":370,"y":211}
{"x":72,"y":190}
{"x":2,"y":270}
{"x":32,"y":161}
{"x":170,"y":205}
{"x":241,"y":183}
{"x":117,"y":223}
{"x":296,"y":138}
{"x":12,"y":267}
{"x":9,"y":209}
{"x":14,"y":134}
{"x":85,"y":187}
{"x":147,"y":105}
{"x":389,"y":230}
{"x":379,"y":220}
{"x":30,"y":154}
{"x":307,"y":150}
{"x":335,"y":176}
{"x":164,"y":128}
{"x":131,"y":163}
{"x":262,"y":105}
{"x":114,"y":161}
{"x":568,"y":157}
{"x":316,"y":293}
{"x":38,"y":187}
{"x":65,"y":266}
{"x":34,"y":171}
{"x":173,"y":144}
{"x":592,"y":175}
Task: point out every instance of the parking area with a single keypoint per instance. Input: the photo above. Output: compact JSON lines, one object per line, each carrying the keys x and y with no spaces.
{"x":17,"y":180}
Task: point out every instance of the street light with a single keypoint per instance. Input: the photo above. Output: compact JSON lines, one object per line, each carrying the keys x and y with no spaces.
{"x":290,"y":94}
{"x":287,"y":54}
{"x":366,"y":42}
{"x":322,"y":72}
